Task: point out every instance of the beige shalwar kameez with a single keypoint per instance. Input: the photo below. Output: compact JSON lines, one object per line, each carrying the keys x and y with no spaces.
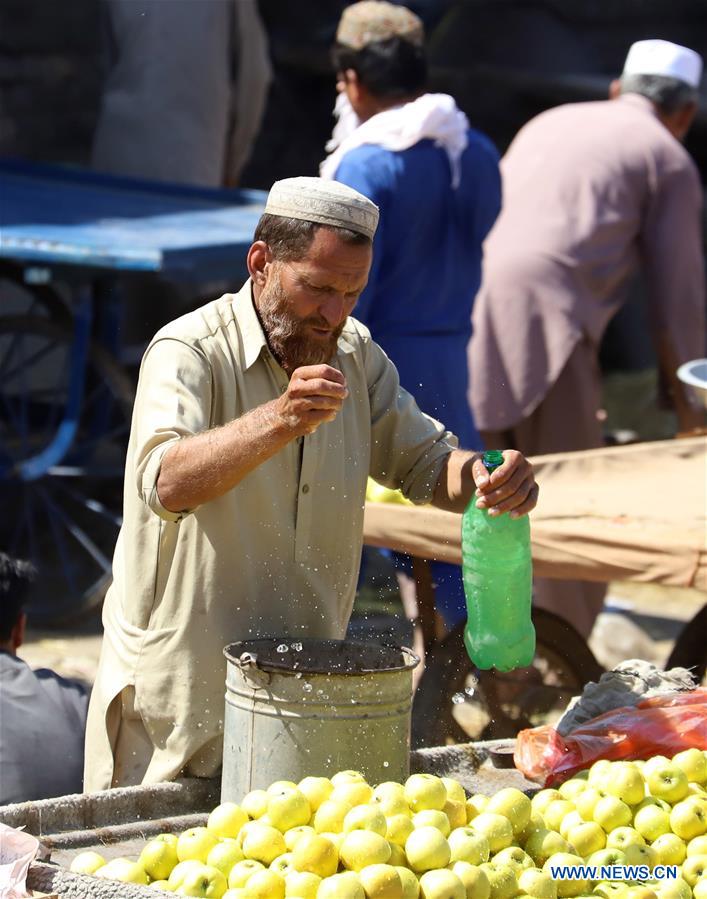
{"x":277,"y":555}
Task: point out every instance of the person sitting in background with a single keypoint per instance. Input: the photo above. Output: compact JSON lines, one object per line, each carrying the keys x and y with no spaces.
{"x":42,"y":715}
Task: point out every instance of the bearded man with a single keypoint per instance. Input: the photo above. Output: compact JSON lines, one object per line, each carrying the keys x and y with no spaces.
{"x":257,"y":422}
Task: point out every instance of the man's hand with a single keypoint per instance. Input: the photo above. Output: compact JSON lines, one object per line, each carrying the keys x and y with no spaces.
{"x":510,"y":488}
{"x":314,"y":395}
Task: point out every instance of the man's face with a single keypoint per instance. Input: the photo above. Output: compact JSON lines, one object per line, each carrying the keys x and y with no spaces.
{"x":305,"y":302}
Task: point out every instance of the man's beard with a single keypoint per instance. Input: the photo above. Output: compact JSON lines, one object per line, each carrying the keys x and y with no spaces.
{"x":288,"y":336}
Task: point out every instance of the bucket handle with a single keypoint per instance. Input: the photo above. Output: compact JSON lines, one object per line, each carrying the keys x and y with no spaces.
{"x":248,"y":663}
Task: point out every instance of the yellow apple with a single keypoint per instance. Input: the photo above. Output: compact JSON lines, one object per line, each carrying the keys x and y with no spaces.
{"x":266,"y":885}
{"x":397,"y":855}
{"x":381,"y":882}
{"x":543,"y":798}
{"x":351,"y":793}
{"x":699,"y":891}
{"x":236,"y":893}
{"x":425,"y":791}
{"x":556,"y":811}
{"x":347,"y":777}
{"x":281,"y":786}
{"x":566,"y":887}
{"x":255,"y":803}
{"x":673,"y":889}
{"x":513,"y":856}
{"x":394,"y":805}
{"x":694,"y":763}
{"x":336,"y":838}
{"x":512,"y":804}
{"x":330,"y":816}
{"x":571,"y":788}
{"x":475,"y":881}
{"x":361,"y":848}
{"x":316,"y":789}
{"x":668,"y":782}
{"x":455,"y":812}
{"x":623,"y":837}
{"x":180,"y":871}
{"x":475,"y":805}
{"x":341,"y":886}
{"x":610,"y":889}
{"x":697,"y":845}
{"x":625,"y":781}
{"x":294,"y":834}
{"x":426,"y":848}
{"x":611,"y":812}
{"x":640,"y":855}
{"x":315,"y":854}
{"x":606,"y":858}
{"x":302,"y":884}
{"x":441,"y":884}
{"x":398,"y":829}
{"x":288,"y":809}
{"x":597,"y":773}
{"x":669,"y":849}
{"x":571,"y":819}
{"x":586,"y":802}
{"x":503,"y":882}
{"x":195,"y":843}
{"x":87,"y":862}
{"x":282,"y":864}
{"x":203,"y":881}
{"x":694,"y":868}
{"x":241,"y":871}
{"x":123,"y":869}
{"x":651,"y":821}
{"x":688,"y":819}
{"x":535,"y":883}
{"x":586,"y":838}
{"x":366,"y":817}
{"x":388,"y":789}
{"x":159,"y":856}
{"x":543,"y":844}
{"x":226,"y":820}
{"x":161,"y":885}
{"x":466,"y":845}
{"x":496,"y":828}
{"x":454,"y":789}
{"x":411,"y":885}
{"x":536,"y":823}
{"x":432,"y":818}
{"x":263,"y":843}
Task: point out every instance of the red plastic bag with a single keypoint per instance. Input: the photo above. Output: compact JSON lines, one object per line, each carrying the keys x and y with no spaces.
{"x":662,"y":725}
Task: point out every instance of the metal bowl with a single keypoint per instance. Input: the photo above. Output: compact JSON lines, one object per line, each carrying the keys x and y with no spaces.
{"x":694,"y":374}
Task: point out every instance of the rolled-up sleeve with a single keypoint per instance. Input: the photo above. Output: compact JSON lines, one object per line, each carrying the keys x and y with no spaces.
{"x":408,"y":448}
{"x":173,"y":402}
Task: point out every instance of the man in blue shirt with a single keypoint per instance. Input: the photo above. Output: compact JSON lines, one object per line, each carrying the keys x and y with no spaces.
{"x":437,"y":184}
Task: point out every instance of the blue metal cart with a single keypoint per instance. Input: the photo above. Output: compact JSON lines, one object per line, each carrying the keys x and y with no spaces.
{"x":68,"y":240}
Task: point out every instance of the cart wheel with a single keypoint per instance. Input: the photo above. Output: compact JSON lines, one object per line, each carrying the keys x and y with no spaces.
{"x":690,"y":650}
{"x":67,"y":520}
{"x":457,"y":703}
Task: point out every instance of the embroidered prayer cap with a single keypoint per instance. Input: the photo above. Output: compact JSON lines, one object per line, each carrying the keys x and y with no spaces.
{"x":325,"y":202}
{"x":369,"y":21}
{"x":664,"y":58}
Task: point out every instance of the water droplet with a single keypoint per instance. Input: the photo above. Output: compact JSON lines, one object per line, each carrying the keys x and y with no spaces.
{"x":297,"y":647}
{"x":307,"y":688}
{"x":283,"y":647}
{"x":385,"y":764}
{"x":457,"y":698}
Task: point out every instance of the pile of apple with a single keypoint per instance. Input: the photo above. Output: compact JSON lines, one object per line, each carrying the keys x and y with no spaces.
{"x":340,"y":838}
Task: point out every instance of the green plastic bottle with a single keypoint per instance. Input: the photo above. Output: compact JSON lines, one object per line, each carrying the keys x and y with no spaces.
{"x":498,"y":575}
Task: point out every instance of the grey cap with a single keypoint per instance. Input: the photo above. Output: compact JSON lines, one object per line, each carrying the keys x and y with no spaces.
{"x":326,"y":202}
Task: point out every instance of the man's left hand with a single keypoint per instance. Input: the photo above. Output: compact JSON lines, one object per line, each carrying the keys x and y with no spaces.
{"x":510,"y":488}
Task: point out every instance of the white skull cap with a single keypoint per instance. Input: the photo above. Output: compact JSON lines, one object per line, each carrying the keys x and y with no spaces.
{"x":664,"y":58}
{"x":325,"y":202}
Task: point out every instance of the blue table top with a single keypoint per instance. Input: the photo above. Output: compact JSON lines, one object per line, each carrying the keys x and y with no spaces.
{"x":59,"y":216}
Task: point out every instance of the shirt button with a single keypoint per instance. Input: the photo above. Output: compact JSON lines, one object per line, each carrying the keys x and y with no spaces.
{"x":305,"y":489}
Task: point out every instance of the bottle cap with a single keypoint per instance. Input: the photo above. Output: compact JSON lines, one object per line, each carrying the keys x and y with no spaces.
{"x":492,"y":460}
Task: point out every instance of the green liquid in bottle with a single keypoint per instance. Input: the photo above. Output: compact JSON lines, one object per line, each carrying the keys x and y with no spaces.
{"x":498,"y":574}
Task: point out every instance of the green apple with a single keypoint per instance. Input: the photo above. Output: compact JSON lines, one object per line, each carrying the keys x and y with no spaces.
{"x":623,"y":837}
{"x":226,"y":820}
{"x":651,"y":822}
{"x":398,"y":829}
{"x":673,"y":889}
{"x":640,"y":855}
{"x":351,"y":793}
{"x":496,"y":828}
{"x":315,"y":854}
{"x":668,"y":782}
{"x":241,"y":871}
{"x":159,"y":856}
{"x":694,"y":763}
{"x":441,"y":884}
{"x":432,"y":818}
{"x":669,"y":849}
{"x":572,"y":819}
{"x":316,"y":789}
{"x":513,"y":856}
{"x":611,"y":812}
{"x":543,"y":844}
{"x":289,"y":808}
{"x":566,"y":887}
{"x":366,"y":817}
{"x":586,"y":838}
{"x":410,"y":883}
{"x":571,"y":788}
{"x":123,"y":869}
{"x":255,"y":803}
{"x":263,"y":843}
{"x":266,"y":885}
{"x":512,"y":804}
{"x":381,"y":882}
{"x":454,"y":789}
{"x":688,"y":819}
{"x":282,"y":864}
{"x":535,"y":883}
{"x":606,"y":858}
{"x":556,"y":811}
{"x":475,"y":881}
{"x":341,"y":886}
{"x":329,"y":817}
{"x":625,"y":781}
{"x":295,"y":833}
{"x":87,"y":862}
{"x":426,"y":848}
{"x":425,"y":791}
{"x":503,"y":881}
{"x":543,"y":798}
{"x":203,"y":881}
{"x":467,"y":845}
{"x":195,"y":843}
{"x":302,"y":884}
{"x":694,"y":868}
{"x":697,"y":845}
{"x":361,"y":848}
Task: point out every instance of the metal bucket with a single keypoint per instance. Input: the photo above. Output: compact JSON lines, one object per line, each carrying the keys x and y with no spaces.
{"x":315,"y":707}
